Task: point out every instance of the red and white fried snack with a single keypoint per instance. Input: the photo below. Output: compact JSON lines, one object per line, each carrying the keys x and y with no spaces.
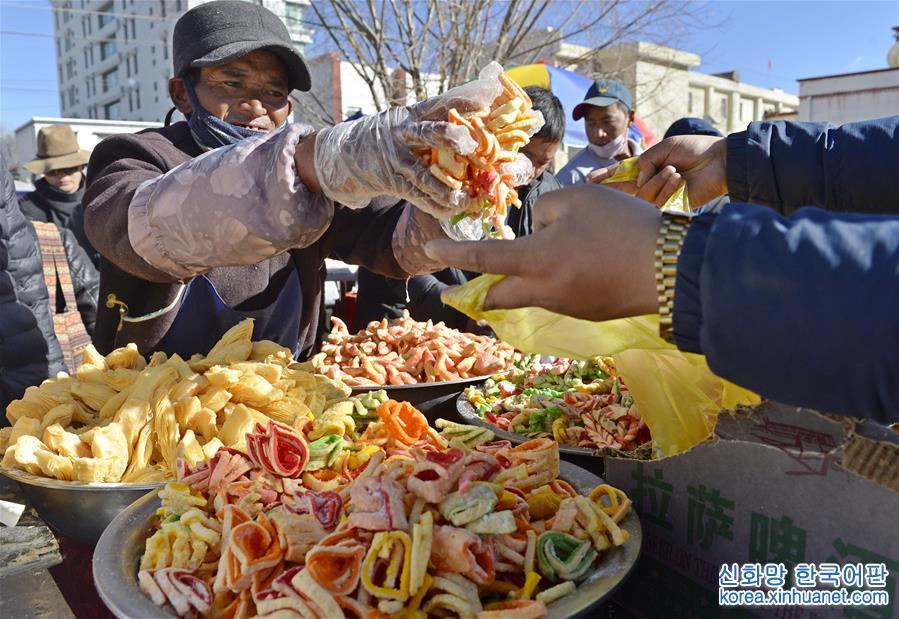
{"x":490,"y":173}
{"x":405,"y":351}
{"x":278,"y":449}
{"x":418,"y":528}
{"x":178,"y":588}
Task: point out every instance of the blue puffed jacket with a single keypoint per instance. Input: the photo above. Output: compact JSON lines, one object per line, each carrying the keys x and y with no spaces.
{"x":791,"y":299}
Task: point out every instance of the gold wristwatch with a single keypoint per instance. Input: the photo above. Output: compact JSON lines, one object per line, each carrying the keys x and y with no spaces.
{"x":672,"y":232}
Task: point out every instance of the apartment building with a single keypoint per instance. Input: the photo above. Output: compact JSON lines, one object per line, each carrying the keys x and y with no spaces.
{"x":114,"y":56}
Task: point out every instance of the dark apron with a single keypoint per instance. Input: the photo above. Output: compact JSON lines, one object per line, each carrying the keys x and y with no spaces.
{"x":203,"y":319}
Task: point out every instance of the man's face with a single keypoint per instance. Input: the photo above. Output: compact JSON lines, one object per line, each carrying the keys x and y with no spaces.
{"x":67,"y":180}
{"x":541,"y":153}
{"x":604,"y":124}
{"x":250,"y":91}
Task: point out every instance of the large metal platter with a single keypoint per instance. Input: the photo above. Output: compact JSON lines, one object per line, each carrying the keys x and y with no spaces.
{"x":118,"y":552}
{"x":470,"y":416}
{"x":78,"y":509}
{"x":422,"y":392}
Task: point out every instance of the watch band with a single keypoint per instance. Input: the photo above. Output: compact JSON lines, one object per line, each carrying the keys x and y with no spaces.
{"x":672,"y":232}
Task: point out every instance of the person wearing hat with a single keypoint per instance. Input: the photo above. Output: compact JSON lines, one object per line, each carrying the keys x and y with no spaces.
{"x":231,"y":213}
{"x":608,"y":111}
{"x":33,"y":345}
{"x":59,"y":188}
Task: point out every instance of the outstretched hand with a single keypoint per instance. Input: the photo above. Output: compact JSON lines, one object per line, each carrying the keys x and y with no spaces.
{"x":591,"y":256}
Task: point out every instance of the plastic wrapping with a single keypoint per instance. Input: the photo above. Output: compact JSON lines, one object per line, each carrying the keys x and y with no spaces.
{"x":676,"y":393}
{"x":378,"y":155}
{"x":628,"y":171}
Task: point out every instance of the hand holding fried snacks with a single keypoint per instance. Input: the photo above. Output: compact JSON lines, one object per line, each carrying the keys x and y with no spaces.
{"x":405,"y":352}
{"x":500,"y":131}
{"x":417,"y":529}
{"x":122,"y":418}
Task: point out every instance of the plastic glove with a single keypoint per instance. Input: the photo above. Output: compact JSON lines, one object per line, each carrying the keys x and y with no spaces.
{"x":378,"y":155}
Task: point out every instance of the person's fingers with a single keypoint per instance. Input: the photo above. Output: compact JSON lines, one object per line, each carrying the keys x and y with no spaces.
{"x":498,"y":257}
{"x":424,"y":190}
{"x":652,"y":187}
{"x":513,"y":292}
{"x":600,"y":174}
{"x":438,"y":134}
{"x":651,"y":161}
{"x":671,"y":185}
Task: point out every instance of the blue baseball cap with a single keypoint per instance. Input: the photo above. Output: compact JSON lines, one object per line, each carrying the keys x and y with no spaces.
{"x":604,"y":93}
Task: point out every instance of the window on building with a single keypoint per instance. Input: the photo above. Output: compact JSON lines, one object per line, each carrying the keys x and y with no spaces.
{"x":110,"y":79}
{"x":742,"y":109}
{"x":59,"y":69}
{"x":165,"y":51}
{"x":105,"y":15}
{"x":294,"y":12}
{"x":72,"y":96}
{"x":137,"y":97}
{"x":70,"y":69}
{"x":92,"y":54}
{"x":111,"y":111}
{"x":690,"y":102}
{"x":724,"y":107}
{"x":130,"y":102}
{"x":62,"y":101}
{"x":178,"y":6}
{"x":128,"y":65}
{"x":107,"y":49}
{"x":162,"y":8}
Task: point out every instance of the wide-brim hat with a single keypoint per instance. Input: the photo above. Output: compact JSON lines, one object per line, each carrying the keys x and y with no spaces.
{"x":218,"y":32}
{"x":57,"y":148}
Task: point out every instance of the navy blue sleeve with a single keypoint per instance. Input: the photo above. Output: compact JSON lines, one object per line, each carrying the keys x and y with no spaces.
{"x":803,"y":310}
{"x":788,"y":165}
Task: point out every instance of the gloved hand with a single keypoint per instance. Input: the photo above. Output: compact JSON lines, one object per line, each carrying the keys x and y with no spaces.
{"x":380,"y":155}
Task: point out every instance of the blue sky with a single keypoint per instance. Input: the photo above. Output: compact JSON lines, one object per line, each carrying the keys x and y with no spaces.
{"x":801,"y":39}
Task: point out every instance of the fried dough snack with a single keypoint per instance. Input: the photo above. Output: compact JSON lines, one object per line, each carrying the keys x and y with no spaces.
{"x":500,"y":131}
{"x":121,"y":418}
{"x":423,"y":529}
{"x":404,"y":352}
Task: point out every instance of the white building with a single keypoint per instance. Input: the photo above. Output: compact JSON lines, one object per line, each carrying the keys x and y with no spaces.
{"x":665,"y":87}
{"x":88,"y":133}
{"x":850,"y":97}
{"x":114,"y":56}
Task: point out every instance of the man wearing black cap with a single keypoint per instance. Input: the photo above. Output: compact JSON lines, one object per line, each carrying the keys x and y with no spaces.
{"x":608,"y":111}
{"x":231,"y":214}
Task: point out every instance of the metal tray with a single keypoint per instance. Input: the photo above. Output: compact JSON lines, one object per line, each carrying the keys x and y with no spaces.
{"x":470,"y":416}
{"x":75,"y":508}
{"x":423,"y":392}
{"x":118,"y":552}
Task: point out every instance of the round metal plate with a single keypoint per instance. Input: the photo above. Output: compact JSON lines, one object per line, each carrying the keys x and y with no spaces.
{"x":423,"y":392}
{"x":470,"y":416}
{"x":117,"y":556}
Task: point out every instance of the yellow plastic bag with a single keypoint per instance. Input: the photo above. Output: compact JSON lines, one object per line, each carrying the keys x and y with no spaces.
{"x":677,"y":394}
{"x":627,"y":171}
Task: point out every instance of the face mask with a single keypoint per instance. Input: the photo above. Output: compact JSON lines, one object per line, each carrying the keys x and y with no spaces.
{"x":613,"y":148}
{"x":209,"y":131}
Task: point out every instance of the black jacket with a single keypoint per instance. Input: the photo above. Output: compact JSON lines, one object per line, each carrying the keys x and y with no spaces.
{"x":48,"y":204}
{"x":29,"y":350}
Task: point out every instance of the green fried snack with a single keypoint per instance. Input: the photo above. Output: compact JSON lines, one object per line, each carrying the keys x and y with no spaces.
{"x":564,"y":557}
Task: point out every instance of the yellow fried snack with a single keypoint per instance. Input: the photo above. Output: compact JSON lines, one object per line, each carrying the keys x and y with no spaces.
{"x":126,"y":418}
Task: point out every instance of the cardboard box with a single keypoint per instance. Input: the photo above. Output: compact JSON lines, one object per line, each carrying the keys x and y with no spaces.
{"x":776,"y":484}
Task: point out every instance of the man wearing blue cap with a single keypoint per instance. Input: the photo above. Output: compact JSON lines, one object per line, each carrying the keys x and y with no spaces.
{"x":607,"y":110}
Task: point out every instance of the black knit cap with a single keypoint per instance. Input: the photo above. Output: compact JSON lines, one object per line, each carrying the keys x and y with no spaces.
{"x":220,"y":31}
